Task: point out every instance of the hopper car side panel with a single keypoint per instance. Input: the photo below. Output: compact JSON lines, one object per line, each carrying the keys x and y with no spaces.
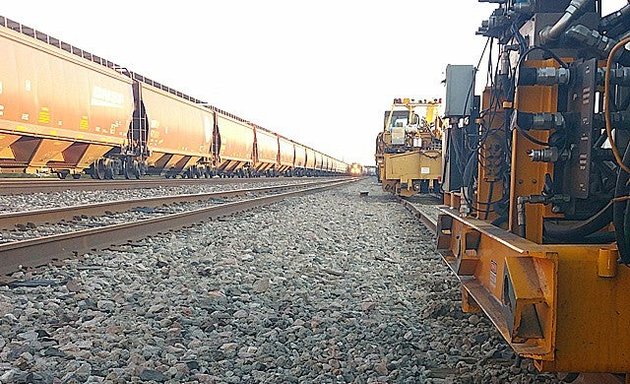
{"x":300,"y":156}
{"x":310,"y":159}
{"x":267,"y":150}
{"x":235,"y":141}
{"x":180,"y":132}
{"x":327,"y":164}
{"x":321,"y":162}
{"x":287,"y":153}
{"x":318,"y":160}
{"x":340,"y":166}
{"x":57,"y":107}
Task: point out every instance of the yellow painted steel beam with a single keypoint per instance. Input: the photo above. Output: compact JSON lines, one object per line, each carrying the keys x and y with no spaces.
{"x":401,"y":171}
{"x":565,"y":306}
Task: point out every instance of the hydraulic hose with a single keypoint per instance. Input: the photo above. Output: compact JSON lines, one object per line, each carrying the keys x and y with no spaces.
{"x":573,"y":11}
{"x":616,"y":23}
{"x":521,"y":202}
{"x":469,"y":174}
{"x":619,"y":210}
{"x":621,"y":216}
{"x":622,"y":163}
{"x":599,"y":238}
{"x":582,"y":229}
{"x":626,"y":226}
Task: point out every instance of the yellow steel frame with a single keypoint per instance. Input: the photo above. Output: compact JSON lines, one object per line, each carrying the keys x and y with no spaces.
{"x":402,"y":169}
{"x":565,"y":306}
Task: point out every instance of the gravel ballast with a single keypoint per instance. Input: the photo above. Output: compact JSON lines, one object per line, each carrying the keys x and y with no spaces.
{"x":25,"y":231}
{"x":328,"y":288}
{"x":40,"y":200}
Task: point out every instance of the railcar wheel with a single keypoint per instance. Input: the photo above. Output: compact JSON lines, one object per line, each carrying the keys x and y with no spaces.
{"x":62,"y":175}
{"x":128,"y":170}
{"x":98,"y":169}
{"x":76,"y":176}
{"x":109,"y":172}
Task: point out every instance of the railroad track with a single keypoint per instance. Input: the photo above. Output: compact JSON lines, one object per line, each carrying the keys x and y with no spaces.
{"x":424,"y":209}
{"x":17,"y":255}
{"x":21,"y":186}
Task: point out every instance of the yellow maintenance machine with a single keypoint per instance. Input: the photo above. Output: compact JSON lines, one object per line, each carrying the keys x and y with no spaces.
{"x":409,"y":149}
{"x":536,"y":221}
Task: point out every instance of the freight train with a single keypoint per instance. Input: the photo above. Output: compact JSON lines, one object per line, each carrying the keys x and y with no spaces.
{"x":67,"y":111}
{"x":536,"y":220}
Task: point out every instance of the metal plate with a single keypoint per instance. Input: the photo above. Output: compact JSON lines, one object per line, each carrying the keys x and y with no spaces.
{"x":580,"y":131}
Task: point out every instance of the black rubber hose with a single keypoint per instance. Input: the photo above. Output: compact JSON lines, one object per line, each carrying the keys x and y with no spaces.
{"x":600,"y":238}
{"x":595,"y":238}
{"x":626,"y":227}
{"x":499,"y":221}
{"x":447,"y":158}
{"x":584,"y":228}
{"x":619,"y":210}
{"x":468,"y":176}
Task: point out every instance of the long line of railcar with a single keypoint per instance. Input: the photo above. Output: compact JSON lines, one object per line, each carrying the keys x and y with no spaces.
{"x":67,"y":111}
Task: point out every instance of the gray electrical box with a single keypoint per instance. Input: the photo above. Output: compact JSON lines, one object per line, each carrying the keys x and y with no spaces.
{"x":460,"y":88}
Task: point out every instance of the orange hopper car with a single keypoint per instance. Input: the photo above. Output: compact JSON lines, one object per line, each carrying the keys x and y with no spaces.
{"x":67,"y":111}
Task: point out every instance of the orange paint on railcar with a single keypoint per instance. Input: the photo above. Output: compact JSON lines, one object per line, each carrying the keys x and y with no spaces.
{"x":42,"y":105}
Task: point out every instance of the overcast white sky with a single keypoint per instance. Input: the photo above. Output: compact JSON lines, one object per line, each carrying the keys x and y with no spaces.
{"x":318,"y":71}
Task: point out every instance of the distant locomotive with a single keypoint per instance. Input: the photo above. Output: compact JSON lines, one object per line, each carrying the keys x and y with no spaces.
{"x":355,"y":169}
{"x":67,"y":111}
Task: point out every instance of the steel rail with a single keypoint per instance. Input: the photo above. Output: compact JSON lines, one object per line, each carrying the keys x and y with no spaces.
{"x":53,"y":215}
{"x":428,"y":222}
{"x":23,"y":186}
{"x":17,"y":255}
